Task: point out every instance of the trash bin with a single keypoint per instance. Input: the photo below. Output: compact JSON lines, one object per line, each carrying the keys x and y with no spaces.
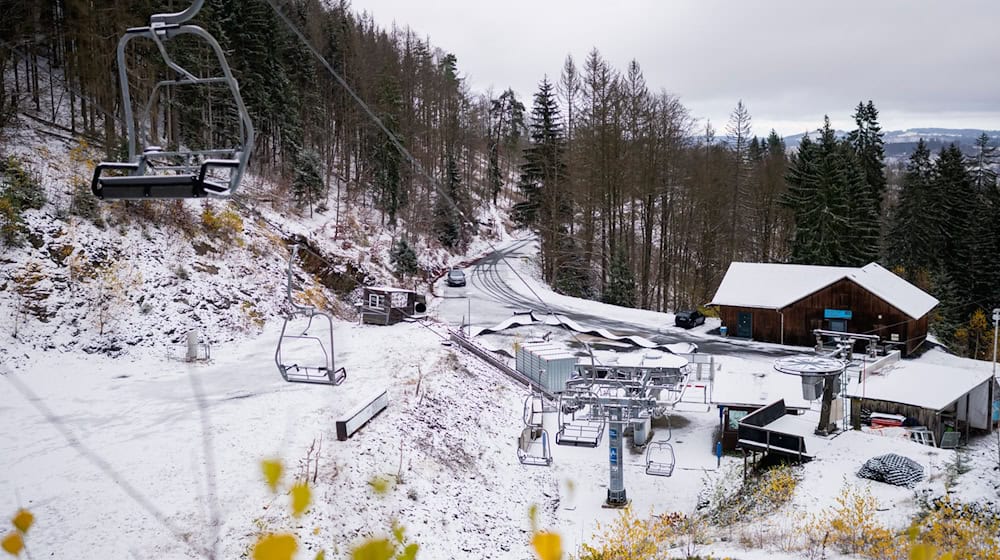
{"x":723,"y":330}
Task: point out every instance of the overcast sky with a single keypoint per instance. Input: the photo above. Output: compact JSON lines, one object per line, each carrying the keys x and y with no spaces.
{"x":791,"y":61}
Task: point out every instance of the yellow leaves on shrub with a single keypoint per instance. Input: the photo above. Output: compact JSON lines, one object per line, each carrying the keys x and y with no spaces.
{"x":12,"y":544}
{"x":273,"y":546}
{"x":548,"y":546}
{"x":301,"y":497}
{"x":380,"y":484}
{"x":374,"y":549}
{"x":23,"y":520}
{"x":272,"y":469}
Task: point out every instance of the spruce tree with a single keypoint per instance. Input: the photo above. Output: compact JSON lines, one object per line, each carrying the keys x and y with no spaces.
{"x":307,"y":182}
{"x":620,"y":289}
{"x":403,"y":258}
{"x":447,"y":219}
{"x":868,"y":143}
{"x":835,"y":222}
{"x":955,"y":201}
{"x":915,"y":230}
{"x":982,"y":165}
{"x":546,"y":206}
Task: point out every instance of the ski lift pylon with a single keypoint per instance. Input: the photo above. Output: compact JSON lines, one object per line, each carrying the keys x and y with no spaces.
{"x":186,"y":173}
{"x":660,"y":459}
{"x":324,"y":373}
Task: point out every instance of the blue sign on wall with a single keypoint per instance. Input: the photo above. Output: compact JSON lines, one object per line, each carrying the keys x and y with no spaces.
{"x":836,"y":314}
{"x":614,"y":456}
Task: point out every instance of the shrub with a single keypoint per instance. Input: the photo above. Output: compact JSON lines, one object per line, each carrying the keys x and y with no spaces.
{"x":85,"y":205}
{"x":21,"y":187}
{"x":19,"y":191}
{"x":851,"y":527}
{"x":226,"y":224}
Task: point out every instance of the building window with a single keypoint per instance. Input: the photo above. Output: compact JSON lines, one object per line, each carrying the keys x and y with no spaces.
{"x":376,"y":300}
{"x":839,"y":325}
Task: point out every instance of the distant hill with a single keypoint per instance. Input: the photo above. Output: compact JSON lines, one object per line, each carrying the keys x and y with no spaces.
{"x":899,"y":144}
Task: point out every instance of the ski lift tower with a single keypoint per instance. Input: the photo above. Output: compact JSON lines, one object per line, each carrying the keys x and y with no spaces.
{"x":816,"y":371}
{"x":614,"y":401}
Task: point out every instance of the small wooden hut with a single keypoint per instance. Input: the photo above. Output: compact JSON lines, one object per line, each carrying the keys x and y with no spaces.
{"x":384,"y":305}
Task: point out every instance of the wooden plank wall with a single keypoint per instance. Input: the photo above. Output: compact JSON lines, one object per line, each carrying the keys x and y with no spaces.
{"x":929,"y":418}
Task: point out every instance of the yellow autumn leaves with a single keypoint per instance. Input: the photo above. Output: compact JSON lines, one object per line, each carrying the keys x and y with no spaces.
{"x":13,"y":542}
{"x":282,"y":546}
{"x":547,"y":545}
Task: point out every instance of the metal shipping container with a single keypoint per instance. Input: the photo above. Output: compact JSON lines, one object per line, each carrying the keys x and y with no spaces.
{"x":547,"y":364}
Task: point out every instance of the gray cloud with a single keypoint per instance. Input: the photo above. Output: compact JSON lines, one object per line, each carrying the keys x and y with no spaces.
{"x":923,"y":63}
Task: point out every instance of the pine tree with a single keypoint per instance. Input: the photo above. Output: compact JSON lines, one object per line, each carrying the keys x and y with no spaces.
{"x":868,"y":143}
{"x":916,"y":231}
{"x":307,"y":182}
{"x":620,"y":289}
{"x":834,"y":215}
{"x":447,"y":219}
{"x":385,"y":157}
{"x":982,"y":165}
{"x":403,"y":258}
{"x":547,"y":206}
{"x":956,"y":200}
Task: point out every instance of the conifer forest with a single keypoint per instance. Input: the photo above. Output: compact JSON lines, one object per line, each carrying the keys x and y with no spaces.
{"x":635,"y":200}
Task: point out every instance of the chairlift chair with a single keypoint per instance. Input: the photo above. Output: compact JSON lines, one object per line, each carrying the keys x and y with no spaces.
{"x":533,"y":447}
{"x":151,"y":172}
{"x":660,"y":459}
{"x":578,"y":432}
{"x":533,"y":410}
{"x":324,"y":373}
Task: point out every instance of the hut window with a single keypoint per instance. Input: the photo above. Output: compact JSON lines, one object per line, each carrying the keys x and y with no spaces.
{"x":375,"y":300}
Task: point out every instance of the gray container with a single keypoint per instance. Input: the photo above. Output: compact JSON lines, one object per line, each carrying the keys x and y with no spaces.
{"x":547,"y":364}
{"x":640,"y":430}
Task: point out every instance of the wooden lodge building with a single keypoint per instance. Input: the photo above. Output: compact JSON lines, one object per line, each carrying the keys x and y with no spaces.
{"x":784,"y":303}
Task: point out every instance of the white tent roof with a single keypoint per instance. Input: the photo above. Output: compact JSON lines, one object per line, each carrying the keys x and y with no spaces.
{"x":921,"y":383}
{"x":776,"y":286}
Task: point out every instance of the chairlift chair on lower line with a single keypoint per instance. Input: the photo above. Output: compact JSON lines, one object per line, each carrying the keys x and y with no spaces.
{"x":533,"y":447}
{"x":301,"y":371}
{"x":660,"y":459}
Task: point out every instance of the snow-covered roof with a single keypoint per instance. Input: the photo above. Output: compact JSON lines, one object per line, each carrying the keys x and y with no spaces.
{"x":757,"y":389}
{"x":389,"y":289}
{"x":922,"y":383}
{"x":776,"y":286}
{"x":640,"y":359}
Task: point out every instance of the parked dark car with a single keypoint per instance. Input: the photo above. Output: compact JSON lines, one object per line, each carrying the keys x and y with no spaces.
{"x":689,"y":319}
{"x":456,"y":277}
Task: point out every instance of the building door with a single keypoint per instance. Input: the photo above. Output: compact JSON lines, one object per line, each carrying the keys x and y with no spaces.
{"x":839,"y":325}
{"x":744,"y":324}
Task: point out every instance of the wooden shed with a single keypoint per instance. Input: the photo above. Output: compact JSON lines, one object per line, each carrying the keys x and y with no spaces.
{"x":387,"y":306}
{"x":785,"y":303}
{"x":930,"y":393}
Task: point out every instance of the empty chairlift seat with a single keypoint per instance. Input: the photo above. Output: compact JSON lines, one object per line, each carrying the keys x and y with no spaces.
{"x":660,"y":459}
{"x":533,"y":447}
{"x":152,"y":172}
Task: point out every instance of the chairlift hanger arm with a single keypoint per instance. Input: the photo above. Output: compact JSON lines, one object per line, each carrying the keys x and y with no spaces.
{"x":177,"y":17}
